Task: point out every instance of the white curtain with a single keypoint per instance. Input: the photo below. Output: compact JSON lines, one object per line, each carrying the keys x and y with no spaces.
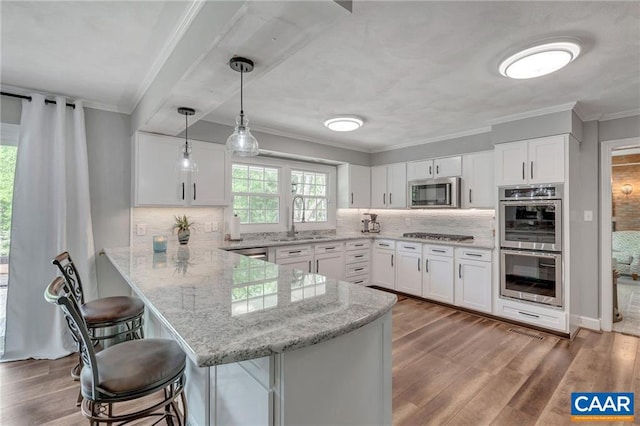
{"x":51,"y":214}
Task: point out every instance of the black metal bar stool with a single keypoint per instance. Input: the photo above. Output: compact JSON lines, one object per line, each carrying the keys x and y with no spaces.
{"x":124,"y":372}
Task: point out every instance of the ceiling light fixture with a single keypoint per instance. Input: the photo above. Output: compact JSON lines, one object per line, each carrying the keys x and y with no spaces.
{"x":241,"y":142}
{"x":627,"y":189}
{"x":343,"y":123}
{"x":540,"y":60}
{"x":185,"y":161}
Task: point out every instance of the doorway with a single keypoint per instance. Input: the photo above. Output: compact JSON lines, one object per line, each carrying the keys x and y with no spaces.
{"x":619,"y":230}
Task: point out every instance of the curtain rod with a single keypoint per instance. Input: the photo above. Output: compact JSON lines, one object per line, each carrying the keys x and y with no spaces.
{"x":46,"y":101}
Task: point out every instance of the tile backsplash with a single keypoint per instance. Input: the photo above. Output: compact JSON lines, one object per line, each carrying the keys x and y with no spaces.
{"x":160,"y":220}
{"x":479,"y":223}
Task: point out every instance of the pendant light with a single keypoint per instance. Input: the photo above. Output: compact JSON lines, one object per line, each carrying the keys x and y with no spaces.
{"x":185,"y":161}
{"x":241,"y":142}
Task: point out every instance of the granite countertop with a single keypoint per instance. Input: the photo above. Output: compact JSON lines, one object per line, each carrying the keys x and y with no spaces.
{"x":483,"y":243}
{"x":223,"y":307}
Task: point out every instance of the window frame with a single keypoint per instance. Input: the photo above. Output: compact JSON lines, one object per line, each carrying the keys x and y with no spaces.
{"x":284,"y":185}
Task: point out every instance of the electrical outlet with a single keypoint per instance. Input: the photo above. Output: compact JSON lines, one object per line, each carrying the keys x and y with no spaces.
{"x":214,"y":226}
{"x":407,"y":221}
{"x":141,"y":229}
{"x":588,"y":215}
{"x":207,"y":227}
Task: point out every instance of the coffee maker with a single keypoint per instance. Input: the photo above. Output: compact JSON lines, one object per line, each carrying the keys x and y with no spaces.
{"x":370,"y":224}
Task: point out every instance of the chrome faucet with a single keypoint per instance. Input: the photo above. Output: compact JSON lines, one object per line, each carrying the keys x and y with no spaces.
{"x":292,"y":231}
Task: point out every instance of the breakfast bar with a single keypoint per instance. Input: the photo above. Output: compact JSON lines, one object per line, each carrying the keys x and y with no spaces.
{"x":266,"y":344}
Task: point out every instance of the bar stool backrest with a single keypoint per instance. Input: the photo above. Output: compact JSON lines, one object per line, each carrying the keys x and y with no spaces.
{"x":59,"y":293}
{"x":65,"y":264}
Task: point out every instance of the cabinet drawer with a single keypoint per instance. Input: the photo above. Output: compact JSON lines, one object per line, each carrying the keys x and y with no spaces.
{"x":554,"y":320}
{"x":473,"y":254}
{"x":356,"y":269}
{"x":409,"y":247}
{"x":293,"y":251}
{"x":358,"y":245}
{"x":385,"y":244}
{"x":358,"y":279}
{"x":329,"y":248}
{"x":356,"y":256}
{"x":438,"y":250}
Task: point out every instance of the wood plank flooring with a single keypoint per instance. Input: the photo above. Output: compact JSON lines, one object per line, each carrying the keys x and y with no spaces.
{"x":449,"y":367}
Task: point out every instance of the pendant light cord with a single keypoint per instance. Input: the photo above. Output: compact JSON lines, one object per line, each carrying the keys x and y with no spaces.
{"x":241,"y":104}
{"x":186,"y":133}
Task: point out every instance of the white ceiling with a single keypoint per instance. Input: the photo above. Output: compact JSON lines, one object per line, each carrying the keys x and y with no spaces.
{"x":415,"y":71}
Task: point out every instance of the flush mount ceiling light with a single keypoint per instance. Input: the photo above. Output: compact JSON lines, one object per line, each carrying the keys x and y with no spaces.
{"x":241,"y":142}
{"x":540,"y":60}
{"x":185,"y":161}
{"x":627,"y":189}
{"x":343,"y":123}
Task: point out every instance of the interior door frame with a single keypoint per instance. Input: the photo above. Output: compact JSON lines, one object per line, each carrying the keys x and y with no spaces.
{"x":606,"y":214}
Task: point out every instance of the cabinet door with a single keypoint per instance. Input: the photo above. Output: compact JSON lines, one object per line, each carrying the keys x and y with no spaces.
{"x":546,"y":160}
{"x":384,"y":268}
{"x":208,"y":184}
{"x":510,"y":163}
{"x":379,"y":187}
{"x":360,"y":186}
{"x":437,"y":278}
{"x":420,"y":170}
{"x":478,"y":185}
{"x":157,"y":181}
{"x":330,"y":265}
{"x":397,"y":185}
{"x":447,"y":167}
{"x":409,"y":273}
{"x":473,"y":285}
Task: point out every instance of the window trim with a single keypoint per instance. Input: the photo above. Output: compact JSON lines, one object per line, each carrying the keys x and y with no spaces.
{"x":284,"y":183}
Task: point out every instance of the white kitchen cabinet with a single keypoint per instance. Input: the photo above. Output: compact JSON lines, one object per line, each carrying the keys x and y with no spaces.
{"x":409,"y":268}
{"x":473,"y":279}
{"x":383,"y":264}
{"x":532,"y":161}
{"x":296,"y":257}
{"x":389,"y":186}
{"x":437,"y":275}
{"x":354,"y":186}
{"x":478,"y":184}
{"x":329,"y":260}
{"x":356,"y":261}
{"x":436,"y":168}
{"x":157,"y":182}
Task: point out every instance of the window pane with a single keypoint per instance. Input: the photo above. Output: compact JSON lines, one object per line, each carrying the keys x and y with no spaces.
{"x":240,"y":172}
{"x":256,"y":186}
{"x":271,"y":187}
{"x":256,"y":173}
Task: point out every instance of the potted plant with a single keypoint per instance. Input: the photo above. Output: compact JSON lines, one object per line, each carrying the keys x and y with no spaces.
{"x":183,"y":227}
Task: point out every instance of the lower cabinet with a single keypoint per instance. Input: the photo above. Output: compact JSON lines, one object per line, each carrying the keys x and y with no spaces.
{"x":356,"y":261}
{"x":329,"y":260}
{"x":437,"y":275}
{"x":383,"y":264}
{"x":296,"y":257}
{"x":473,"y":279}
{"x":409,"y":268}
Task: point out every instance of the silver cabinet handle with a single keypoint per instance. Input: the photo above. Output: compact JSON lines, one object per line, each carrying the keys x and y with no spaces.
{"x":426,"y":265}
{"x":358,"y":269}
{"x":523,"y":170}
{"x":438,"y":169}
{"x":183,"y":190}
{"x":309,"y":266}
{"x":295,"y":251}
{"x":459,"y":270}
{"x":473,"y":254}
{"x":438,"y":251}
{"x":359,"y":245}
{"x":430,"y":172}
{"x":383,"y":245}
{"x":358,"y":255}
{"x":384,"y":198}
{"x":194,"y":191}
{"x":418,"y":264}
{"x":532,"y":170}
{"x":317,"y":266}
{"x":392,"y":261}
{"x":410,"y":248}
{"x":528,"y":314}
{"x":469,"y":195}
{"x":390,"y":202}
{"x":352,"y":198}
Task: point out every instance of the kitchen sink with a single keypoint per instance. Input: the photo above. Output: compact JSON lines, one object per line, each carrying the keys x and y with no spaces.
{"x":300,"y":238}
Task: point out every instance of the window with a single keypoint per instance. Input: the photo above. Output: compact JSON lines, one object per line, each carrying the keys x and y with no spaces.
{"x":256,"y":193}
{"x":312,"y":187}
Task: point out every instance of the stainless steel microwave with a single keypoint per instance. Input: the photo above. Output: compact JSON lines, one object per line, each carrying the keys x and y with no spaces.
{"x":434,"y":193}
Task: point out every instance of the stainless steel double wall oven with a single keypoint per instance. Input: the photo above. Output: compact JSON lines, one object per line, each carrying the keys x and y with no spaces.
{"x":531,"y":243}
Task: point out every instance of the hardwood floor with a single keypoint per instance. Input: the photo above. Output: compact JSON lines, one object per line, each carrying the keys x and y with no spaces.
{"x":449,"y":367}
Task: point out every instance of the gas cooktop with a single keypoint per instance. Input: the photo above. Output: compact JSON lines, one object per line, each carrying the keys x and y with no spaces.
{"x":440,"y":237}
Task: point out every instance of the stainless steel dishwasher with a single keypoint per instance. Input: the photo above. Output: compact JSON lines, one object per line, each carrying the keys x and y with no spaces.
{"x":261,"y":253}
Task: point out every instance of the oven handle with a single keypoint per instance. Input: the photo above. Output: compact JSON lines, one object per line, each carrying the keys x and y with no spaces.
{"x":548,"y":201}
{"x":533,"y":253}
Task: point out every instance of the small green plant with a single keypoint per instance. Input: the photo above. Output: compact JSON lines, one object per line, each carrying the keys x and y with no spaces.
{"x":182,"y":223}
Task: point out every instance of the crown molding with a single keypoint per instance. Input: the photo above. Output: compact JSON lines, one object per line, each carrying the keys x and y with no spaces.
{"x":435,"y":139}
{"x":183,"y":25}
{"x":621,"y":114}
{"x":533,"y":113}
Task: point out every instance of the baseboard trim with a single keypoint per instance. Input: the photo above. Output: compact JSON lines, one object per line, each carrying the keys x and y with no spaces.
{"x":587,"y":322}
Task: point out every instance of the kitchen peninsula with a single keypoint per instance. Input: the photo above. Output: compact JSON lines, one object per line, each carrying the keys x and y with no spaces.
{"x":266,"y":344}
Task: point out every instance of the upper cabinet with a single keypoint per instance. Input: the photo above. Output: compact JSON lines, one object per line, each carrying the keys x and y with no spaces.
{"x":354,"y":186}
{"x":532,"y":161}
{"x":389,"y":186}
{"x":478,"y":185}
{"x":433,"y":169}
{"x":157,"y":182}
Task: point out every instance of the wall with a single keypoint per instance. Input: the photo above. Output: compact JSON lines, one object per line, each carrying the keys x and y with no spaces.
{"x":10,"y":110}
{"x":626,"y":208}
{"x":218,"y":133}
{"x":456,"y":146}
{"x":160,"y":220}
{"x":556,"y":123}
{"x":621,"y":128}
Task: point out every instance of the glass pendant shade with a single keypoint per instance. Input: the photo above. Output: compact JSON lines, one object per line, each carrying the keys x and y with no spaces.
{"x":185,"y":162}
{"x":241,"y":142}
